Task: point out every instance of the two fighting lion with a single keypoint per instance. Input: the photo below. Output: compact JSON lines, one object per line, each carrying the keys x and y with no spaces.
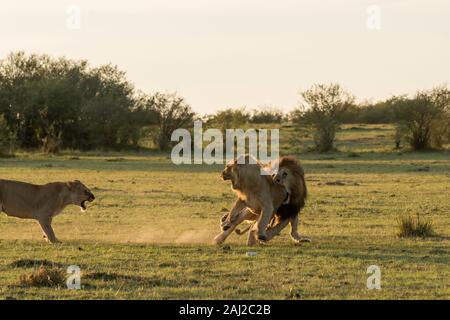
{"x":270,"y":201}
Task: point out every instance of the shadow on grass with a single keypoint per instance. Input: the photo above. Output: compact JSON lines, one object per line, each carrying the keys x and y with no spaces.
{"x":30,"y":263}
{"x":421,"y":254}
{"x":129,"y":279}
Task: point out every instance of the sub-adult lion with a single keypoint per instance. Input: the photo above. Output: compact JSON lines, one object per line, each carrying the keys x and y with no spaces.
{"x":290,"y":174}
{"x":258,"y":196}
{"x":42,"y":202}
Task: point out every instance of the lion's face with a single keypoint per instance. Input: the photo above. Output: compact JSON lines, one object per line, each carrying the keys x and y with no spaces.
{"x":231,"y":173}
{"x":80,"y":194}
{"x":287,"y":179}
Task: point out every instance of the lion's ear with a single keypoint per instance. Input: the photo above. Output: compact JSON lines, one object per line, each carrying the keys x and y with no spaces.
{"x":70,"y":185}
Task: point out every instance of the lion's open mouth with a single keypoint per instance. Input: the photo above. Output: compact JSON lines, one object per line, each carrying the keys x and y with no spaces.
{"x":83,"y":205}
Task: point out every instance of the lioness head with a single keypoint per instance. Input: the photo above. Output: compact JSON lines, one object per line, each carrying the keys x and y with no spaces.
{"x":80,"y":194}
{"x":231,"y":172}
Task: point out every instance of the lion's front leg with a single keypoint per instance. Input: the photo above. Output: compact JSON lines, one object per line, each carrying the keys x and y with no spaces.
{"x":221,"y":237}
{"x":263,"y":222}
{"x":295,"y":235}
{"x":234,"y":214}
{"x":46,"y":225}
{"x":237,"y":215}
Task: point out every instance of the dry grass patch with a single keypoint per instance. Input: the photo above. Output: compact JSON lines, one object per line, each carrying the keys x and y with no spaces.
{"x":415,"y":227}
{"x":44,"y":277}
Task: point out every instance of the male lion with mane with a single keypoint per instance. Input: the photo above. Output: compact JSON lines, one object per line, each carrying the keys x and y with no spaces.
{"x":42,"y":202}
{"x":288,"y":173}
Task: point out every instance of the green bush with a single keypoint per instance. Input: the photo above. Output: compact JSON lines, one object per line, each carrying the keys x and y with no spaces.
{"x":322,"y":108}
{"x":424,"y":118}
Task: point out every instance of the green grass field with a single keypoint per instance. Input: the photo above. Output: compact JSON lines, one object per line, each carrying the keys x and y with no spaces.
{"x":148,"y":235}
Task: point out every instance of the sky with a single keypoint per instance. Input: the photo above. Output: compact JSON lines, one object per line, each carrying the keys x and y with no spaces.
{"x":234,"y":53}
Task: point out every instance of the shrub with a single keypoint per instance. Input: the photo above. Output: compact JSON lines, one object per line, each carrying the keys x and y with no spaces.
{"x":322,"y":108}
{"x":424,"y":118}
{"x":409,"y":226}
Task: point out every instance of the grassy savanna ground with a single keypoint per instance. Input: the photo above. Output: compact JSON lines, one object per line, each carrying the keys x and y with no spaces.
{"x":148,"y":234}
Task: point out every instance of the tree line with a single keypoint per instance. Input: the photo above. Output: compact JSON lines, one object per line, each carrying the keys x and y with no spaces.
{"x":423,"y":121}
{"x":51,"y":104}
{"x":56,"y":103}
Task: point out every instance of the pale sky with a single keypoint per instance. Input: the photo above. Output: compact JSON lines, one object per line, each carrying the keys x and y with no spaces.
{"x":232,"y":53}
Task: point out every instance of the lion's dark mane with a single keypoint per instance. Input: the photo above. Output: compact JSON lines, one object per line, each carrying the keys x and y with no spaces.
{"x":292,"y":209}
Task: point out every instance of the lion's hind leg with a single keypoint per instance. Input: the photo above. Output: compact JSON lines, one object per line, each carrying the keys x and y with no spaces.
{"x":276,"y":228}
{"x":251,"y":240}
{"x":295,"y":235}
{"x":273,"y":230}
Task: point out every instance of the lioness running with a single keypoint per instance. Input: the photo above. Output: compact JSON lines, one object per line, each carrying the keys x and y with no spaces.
{"x":42,"y":202}
{"x":257,"y":193}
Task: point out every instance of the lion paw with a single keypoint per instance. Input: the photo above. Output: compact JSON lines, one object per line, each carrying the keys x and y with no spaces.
{"x":302,"y":240}
{"x":262,"y":238}
{"x":218,"y":240}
